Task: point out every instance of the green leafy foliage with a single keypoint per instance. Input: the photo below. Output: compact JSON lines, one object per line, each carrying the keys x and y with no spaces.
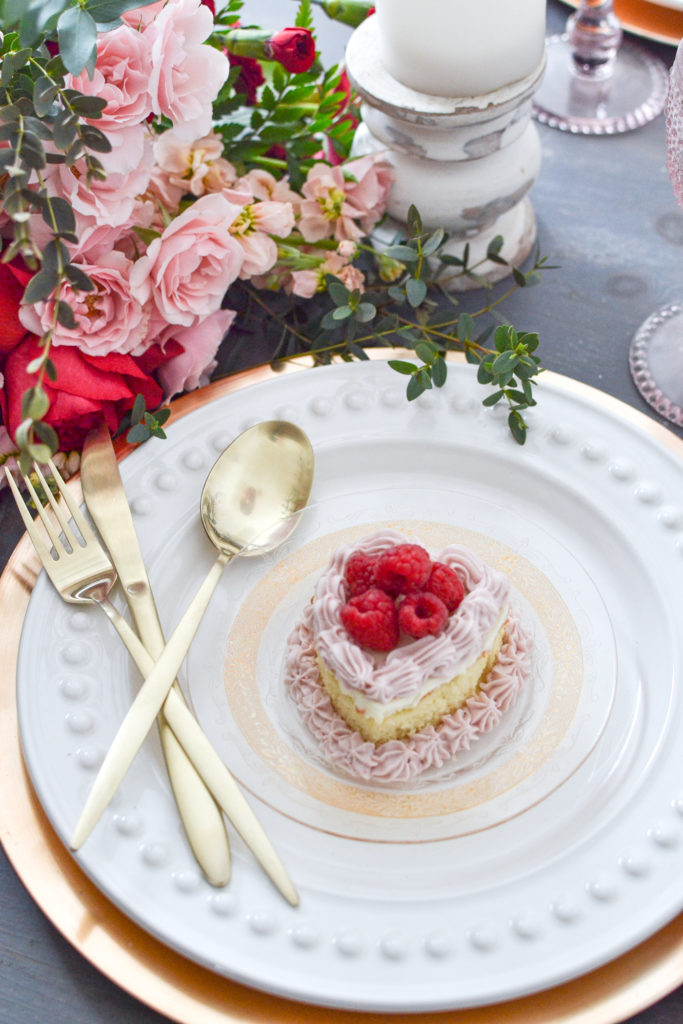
{"x":403,"y":307}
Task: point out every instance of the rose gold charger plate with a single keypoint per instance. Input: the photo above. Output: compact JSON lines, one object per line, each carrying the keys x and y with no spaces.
{"x":189,"y":994}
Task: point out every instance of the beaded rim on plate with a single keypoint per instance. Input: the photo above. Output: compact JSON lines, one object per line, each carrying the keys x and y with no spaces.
{"x":640,"y":366}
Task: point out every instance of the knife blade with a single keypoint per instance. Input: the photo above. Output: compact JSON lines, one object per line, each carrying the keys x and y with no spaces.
{"x":106,"y":501}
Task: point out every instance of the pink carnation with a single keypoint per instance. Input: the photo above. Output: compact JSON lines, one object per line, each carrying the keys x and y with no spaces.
{"x":193,"y":367}
{"x":186,"y":75}
{"x":186,"y":272}
{"x":108,"y":319}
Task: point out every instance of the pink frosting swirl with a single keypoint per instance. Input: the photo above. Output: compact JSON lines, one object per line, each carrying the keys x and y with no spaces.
{"x":401,"y":760}
{"x":403,"y":671}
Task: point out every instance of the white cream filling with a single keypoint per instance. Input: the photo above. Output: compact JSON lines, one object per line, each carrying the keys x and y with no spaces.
{"x":378,"y":712}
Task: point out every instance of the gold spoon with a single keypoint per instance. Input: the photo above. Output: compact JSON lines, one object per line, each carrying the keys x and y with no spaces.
{"x":248,"y":506}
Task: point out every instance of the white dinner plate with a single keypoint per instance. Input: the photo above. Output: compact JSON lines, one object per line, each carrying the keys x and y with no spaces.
{"x":482,"y":882}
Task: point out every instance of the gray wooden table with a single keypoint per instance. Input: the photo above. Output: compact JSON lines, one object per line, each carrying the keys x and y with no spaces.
{"x":606,"y":214}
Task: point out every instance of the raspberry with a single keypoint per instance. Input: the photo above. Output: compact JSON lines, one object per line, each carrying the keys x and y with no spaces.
{"x":359,"y":573}
{"x":403,"y":568}
{"x":446,"y":584}
{"x":371,"y":620}
{"x":422,"y":614}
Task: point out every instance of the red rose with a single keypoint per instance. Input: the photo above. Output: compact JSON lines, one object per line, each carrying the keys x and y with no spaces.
{"x":250,"y":77}
{"x":11,"y":291}
{"x":294,"y":48}
{"x":86,"y":387}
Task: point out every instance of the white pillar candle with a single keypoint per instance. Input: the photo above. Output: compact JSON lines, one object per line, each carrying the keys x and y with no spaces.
{"x":460,"y":47}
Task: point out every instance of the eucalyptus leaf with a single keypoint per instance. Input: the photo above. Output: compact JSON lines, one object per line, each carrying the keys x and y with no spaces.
{"x":416,"y":291}
{"x":40,"y":287}
{"x":415,"y":388}
{"x":77,"y":33}
{"x":401,"y":366}
{"x":439,"y":371}
{"x":139,"y":433}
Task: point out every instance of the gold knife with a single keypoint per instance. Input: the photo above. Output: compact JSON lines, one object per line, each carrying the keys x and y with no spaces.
{"x":106,"y":500}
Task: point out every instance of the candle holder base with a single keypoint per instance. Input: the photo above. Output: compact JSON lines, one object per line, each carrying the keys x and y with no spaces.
{"x":466,"y":163}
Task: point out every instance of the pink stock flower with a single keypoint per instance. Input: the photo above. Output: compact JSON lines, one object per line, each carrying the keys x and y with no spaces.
{"x":108,"y":319}
{"x":195,"y":167}
{"x":193,"y":367}
{"x":305,"y":283}
{"x":186,"y":272}
{"x":121,"y":76}
{"x":186,"y":75}
{"x":334,"y":206}
{"x":370,"y":190}
{"x":263,"y":185}
{"x":253,"y":228}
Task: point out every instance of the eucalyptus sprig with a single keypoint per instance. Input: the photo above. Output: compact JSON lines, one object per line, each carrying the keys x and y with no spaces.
{"x":406,"y":305}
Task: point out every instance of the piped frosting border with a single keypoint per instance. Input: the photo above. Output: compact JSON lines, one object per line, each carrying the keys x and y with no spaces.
{"x":401,"y":760}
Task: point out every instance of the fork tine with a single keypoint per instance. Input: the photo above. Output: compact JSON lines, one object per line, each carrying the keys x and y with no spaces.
{"x":37,"y":541}
{"x":78,"y":517}
{"x":44,"y":518}
{"x":56,"y":508}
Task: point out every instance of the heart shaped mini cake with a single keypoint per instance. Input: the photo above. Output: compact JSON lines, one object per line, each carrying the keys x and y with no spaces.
{"x":401,"y":660}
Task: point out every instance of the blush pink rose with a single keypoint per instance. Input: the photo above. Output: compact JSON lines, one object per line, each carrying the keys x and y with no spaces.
{"x":108,"y":319}
{"x":140,"y":17}
{"x":186,"y":75}
{"x":109,"y":202}
{"x":121,"y":77}
{"x":186,"y":272}
{"x":193,"y":367}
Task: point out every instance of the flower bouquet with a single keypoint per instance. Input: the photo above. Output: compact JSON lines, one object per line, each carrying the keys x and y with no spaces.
{"x":169,"y":174}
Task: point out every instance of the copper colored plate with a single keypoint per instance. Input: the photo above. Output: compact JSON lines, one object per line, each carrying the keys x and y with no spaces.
{"x":661,"y":24}
{"x":187,"y":993}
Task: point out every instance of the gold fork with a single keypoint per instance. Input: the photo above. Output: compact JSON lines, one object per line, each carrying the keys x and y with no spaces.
{"x":83,"y":573}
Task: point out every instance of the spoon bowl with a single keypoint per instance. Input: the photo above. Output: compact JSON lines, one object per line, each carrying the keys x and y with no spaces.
{"x":255,"y":488}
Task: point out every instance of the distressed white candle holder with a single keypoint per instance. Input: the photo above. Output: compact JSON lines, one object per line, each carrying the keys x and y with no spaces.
{"x":466,"y":163}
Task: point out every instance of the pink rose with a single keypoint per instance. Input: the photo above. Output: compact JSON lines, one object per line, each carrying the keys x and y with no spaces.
{"x":109,"y":202}
{"x":186,"y":272}
{"x":108,"y":319}
{"x":186,"y":75}
{"x":141,"y":17}
{"x":193,"y":367}
{"x":121,"y":77}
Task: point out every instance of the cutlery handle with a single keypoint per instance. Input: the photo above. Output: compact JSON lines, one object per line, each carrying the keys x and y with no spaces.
{"x":145,"y":708}
{"x":212,"y":770}
{"x":201,"y":817}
